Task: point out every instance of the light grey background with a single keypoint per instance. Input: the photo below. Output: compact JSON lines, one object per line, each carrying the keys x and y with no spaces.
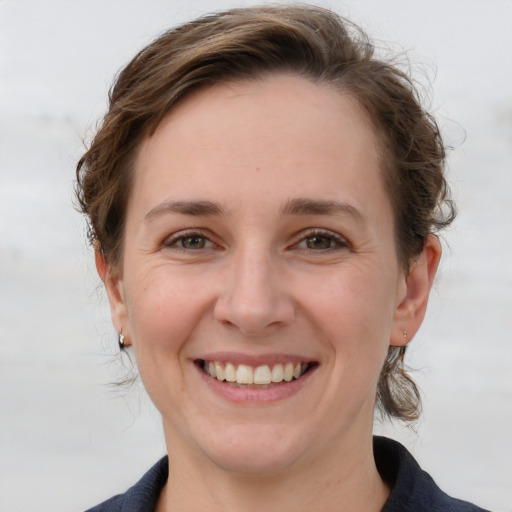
{"x":67,"y":438}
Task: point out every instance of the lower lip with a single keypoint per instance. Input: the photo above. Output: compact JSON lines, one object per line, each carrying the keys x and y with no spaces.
{"x":246,"y":396}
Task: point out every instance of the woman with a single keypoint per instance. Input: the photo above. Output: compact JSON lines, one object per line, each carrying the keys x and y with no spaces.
{"x":263,"y":197}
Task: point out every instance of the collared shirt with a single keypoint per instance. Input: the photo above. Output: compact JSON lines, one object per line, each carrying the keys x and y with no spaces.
{"x":412,"y":489}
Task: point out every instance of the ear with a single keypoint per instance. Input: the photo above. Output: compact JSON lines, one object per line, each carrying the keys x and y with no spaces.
{"x":411,"y":310}
{"x":115,"y":291}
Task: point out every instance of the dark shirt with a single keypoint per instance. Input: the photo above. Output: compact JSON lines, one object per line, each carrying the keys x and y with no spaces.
{"x":413,"y":490}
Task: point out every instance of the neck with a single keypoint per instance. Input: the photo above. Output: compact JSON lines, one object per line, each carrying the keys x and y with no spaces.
{"x":345,"y":480}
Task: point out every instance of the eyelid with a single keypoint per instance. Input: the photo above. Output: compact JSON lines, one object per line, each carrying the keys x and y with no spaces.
{"x":340,"y":241}
{"x":171,"y":240}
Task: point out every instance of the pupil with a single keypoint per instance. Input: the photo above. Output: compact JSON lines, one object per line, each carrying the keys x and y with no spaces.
{"x":193,"y":242}
{"x":319,"y":242}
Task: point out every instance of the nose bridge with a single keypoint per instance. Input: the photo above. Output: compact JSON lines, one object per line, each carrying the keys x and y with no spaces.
{"x":254,"y":297}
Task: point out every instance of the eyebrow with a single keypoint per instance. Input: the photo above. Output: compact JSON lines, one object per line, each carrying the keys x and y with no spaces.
{"x":305,"y":206}
{"x":299,"y":206}
{"x":194,"y":208}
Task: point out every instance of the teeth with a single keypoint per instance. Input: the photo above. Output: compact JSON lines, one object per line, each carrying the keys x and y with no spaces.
{"x":277,"y":373}
{"x":288,"y":372}
{"x":219,"y":372}
{"x":230,"y":372}
{"x":261,"y":375}
{"x":244,"y":374}
{"x":212,"y":370}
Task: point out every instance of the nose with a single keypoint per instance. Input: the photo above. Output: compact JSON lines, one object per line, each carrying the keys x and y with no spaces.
{"x":254,"y":298}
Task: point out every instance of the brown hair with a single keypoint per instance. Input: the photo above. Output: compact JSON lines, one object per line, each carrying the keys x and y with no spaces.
{"x":251,"y":43}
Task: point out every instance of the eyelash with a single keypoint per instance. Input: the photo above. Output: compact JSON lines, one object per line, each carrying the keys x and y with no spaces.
{"x":173,"y":240}
{"x":338,"y":241}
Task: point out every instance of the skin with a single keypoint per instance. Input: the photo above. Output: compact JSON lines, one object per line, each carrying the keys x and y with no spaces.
{"x":267,"y":277}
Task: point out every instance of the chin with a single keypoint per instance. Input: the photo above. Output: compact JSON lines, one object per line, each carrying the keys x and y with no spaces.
{"x":257,"y":450}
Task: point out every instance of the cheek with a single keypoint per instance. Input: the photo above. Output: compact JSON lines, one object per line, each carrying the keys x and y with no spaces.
{"x":164,"y":310}
{"x":353,"y":299}
{"x":165,"y":307}
{"x":354,"y":313}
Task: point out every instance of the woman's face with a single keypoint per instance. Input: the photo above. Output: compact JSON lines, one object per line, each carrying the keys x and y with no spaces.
{"x":259,"y":242}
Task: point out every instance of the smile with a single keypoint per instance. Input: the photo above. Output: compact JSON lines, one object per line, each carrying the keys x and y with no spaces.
{"x":261,"y":376}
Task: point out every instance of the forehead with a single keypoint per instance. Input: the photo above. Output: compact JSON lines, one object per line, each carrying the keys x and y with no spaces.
{"x":280,"y":137}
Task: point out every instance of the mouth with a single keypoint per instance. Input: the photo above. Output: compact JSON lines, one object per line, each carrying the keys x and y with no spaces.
{"x":255,"y":377}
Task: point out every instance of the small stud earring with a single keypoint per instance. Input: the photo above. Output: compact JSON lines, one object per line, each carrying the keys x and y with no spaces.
{"x":121,"y":340}
{"x":405,"y":334}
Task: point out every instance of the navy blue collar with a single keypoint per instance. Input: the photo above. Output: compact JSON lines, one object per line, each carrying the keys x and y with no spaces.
{"x":413,"y":490}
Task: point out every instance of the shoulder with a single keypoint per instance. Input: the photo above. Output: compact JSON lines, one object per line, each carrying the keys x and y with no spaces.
{"x":143,"y":496}
{"x":413,"y":490}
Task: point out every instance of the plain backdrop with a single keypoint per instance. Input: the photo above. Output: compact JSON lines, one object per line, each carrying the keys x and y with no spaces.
{"x":68,"y":439}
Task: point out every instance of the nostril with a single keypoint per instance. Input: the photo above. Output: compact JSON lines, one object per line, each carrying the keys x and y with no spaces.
{"x":253,"y":299}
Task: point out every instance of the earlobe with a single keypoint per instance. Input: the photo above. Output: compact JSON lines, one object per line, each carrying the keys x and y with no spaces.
{"x":115,"y":292}
{"x":418,"y":283}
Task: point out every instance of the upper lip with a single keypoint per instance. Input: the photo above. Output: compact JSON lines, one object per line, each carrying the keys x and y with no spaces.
{"x":255,"y":360}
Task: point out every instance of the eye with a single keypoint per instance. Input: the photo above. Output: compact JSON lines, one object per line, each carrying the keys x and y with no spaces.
{"x":188,"y":242}
{"x":192,"y":242}
{"x":322,"y":241}
{"x":319,"y":242}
